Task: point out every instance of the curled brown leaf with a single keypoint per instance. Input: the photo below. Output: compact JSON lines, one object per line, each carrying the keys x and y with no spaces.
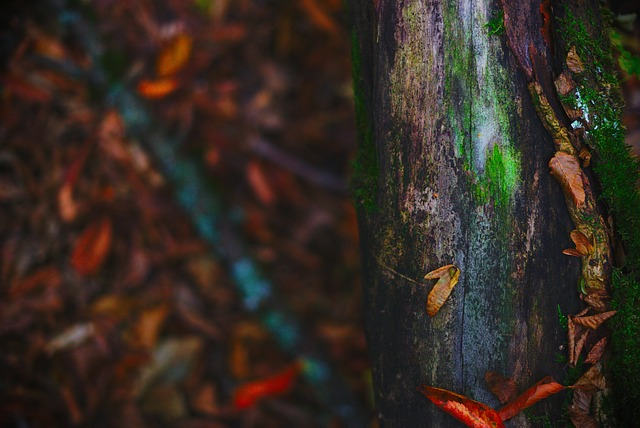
{"x":501,"y":386}
{"x":583,"y":244}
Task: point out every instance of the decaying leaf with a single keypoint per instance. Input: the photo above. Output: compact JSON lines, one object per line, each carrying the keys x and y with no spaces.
{"x":546,"y":387}
{"x":564,"y":83}
{"x":71,"y":337}
{"x":582,"y":339}
{"x":250,"y":393}
{"x":448,"y":277}
{"x":579,"y":409}
{"x":501,"y":386}
{"x":155,"y":89}
{"x":572,"y":252}
{"x":566,"y":169}
{"x":464,"y":409}
{"x":597,"y":299}
{"x":596,"y":352}
{"x":574,"y":63}
{"x":174,"y":55}
{"x":594,"y":321}
{"x":92,"y":247}
{"x":592,"y":380}
{"x":585,"y":156}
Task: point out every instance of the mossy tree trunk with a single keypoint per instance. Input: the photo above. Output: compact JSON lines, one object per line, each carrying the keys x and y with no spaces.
{"x":453,"y":168}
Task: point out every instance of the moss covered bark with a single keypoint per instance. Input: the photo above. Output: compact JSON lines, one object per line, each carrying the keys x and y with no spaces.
{"x":462,"y":178}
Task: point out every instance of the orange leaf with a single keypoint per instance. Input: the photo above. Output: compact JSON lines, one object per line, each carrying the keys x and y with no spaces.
{"x":448,"y":279}
{"x":594,"y":321}
{"x":155,"y":89}
{"x":566,"y":169}
{"x":572,"y":252}
{"x":501,"y":386}
{"x":260,"y":183}
{"x":320,"y":18}
{"x":250,"y":393}
{"x":596,"y":352}
{"x":583,"y":244}
{"x":464,"y":409}
{"x":92,"y":247}
{"x":148,"y":325}
{"x":546,"y":387}
{"x":174,"y":55}
{"x":579,"y":345}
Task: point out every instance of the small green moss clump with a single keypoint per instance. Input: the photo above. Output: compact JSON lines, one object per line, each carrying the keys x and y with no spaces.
{"x":619,"y":175}
{"x":495,"y":26}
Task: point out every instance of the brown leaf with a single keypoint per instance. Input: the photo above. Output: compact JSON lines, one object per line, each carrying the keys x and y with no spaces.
{"x":155,"y":89}
{"x":501,"y":386}
{"x":174,"y":55}
{"x":574,"y":63}
{"x":442,"y":289}
{"x":583,"y":244}
{"x":579,"y":409}
{"x":597,"y":301}
{"x":92,"y":247}
{"x":148,"y":325}
{"x":546,"y":387}
{"x":594,"y":321}
{"x":564,"y":83}
{"x":319,"y":17}
{"x":464,"y":409}
{"x":572,"y":252}
{"x":205,"y":400}
{"x":566,"y":169}
{"x":585,"y":156}
{"x":596,"y":352}
{"x":571,"y":339}
{"x":579,"y":345}
{"x":592,"y":380}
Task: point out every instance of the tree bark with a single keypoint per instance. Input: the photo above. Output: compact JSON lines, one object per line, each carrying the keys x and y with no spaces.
{"x":460,"y":161}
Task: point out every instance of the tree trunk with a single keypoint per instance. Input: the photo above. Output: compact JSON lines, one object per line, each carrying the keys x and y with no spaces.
{"x":453,"y":168}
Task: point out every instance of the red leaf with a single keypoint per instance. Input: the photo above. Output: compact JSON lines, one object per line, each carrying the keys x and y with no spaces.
{"x":92,"y":247}
{"x":155,"y":89}
{"x":250,"y":393}
{"x":546,"y":387}
{"x":501,"y":386}
{"x":464,"y":409}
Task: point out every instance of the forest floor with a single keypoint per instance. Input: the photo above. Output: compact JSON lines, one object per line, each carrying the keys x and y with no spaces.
{"x":113,"y":306}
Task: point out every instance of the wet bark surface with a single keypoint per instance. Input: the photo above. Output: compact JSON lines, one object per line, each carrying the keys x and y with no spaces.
{"x":464,"y":179}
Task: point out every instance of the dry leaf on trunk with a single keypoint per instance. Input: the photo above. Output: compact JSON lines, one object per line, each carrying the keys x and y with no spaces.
{"x":448,"y":277}
{"x":546,"y":387}
{"x":594,"y":321}
{"x":579,"y":345}
{"x":596,"y":352}
{"x":583,"y":244}
{"x":579,"y":409}
{"x":92,"y":247}
{"x":501,"y":386}
{"x":566,"y":169}
{"x":574,"y":63}
{"x":464,"y":409}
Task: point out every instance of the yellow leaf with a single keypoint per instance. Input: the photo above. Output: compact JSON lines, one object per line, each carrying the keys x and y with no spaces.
{"x":174,"y":55}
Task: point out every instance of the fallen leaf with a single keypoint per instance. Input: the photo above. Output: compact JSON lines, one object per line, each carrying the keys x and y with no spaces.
{"x":501,"y":386}
{"x":44,"y":278}
{"x":544,"y":388}
{"x":464,"y":409}
{"x":155,"y":89}
{"x":579,"y":410}
{"x":566,"y":169}
{"x":572,"y":252}
{"x":594,"y":321}
{"x":564,"y":83}
{"x":205,"y":400}
{"x":592,"y":380}
{"x":448,"y":279}
{"x":92,"y":247}
{"x":574,"y":63}
{"x":319,"y":17}
{"x":596,"y":351}
{"x":248,"y":394}
{"x":71,"y":337}
{"x":597,"y":300}
{"x":259,"y":183}
{"x":583,"y":244}
{"x":579,"y":345}
{"x":147,"y":327}
{"x":174,"y":55}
